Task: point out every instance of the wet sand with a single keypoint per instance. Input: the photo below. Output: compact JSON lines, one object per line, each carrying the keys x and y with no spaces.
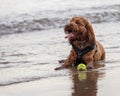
{"x":37,"y":77}
{"x":95,"y":83}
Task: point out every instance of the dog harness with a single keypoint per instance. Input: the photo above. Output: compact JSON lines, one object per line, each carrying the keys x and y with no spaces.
{"x":82,"y":52}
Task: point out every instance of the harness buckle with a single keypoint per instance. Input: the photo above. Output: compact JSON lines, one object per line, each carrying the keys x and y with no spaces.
{"x":79,"y":53}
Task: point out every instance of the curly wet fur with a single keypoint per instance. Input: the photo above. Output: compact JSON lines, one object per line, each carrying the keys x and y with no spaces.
{"x":83,"y":34}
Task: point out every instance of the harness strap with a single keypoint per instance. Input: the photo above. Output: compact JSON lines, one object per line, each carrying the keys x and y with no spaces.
{"x":82,"y":52}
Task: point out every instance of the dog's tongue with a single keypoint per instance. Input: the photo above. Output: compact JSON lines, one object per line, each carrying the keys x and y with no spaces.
{"x":69,"y":36}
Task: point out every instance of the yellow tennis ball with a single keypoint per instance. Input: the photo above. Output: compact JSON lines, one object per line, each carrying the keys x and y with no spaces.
{"x":81,"y":67}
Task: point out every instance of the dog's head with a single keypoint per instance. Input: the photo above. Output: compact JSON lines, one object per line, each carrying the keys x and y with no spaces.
{"x":79,"y":29}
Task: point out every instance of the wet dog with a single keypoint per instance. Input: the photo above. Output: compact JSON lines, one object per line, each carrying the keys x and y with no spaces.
{"x":85,"y":48}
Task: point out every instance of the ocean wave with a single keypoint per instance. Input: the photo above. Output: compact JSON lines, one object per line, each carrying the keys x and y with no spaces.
{"x":56,"y":19}
{"x":30,"y":78}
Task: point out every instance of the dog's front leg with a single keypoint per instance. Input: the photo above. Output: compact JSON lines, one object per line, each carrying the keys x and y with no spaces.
{"x":68,"y":62}
{"x":88,"y":58}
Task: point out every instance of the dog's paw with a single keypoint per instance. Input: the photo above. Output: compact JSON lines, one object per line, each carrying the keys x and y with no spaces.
{"x":58,"y":68}
{"x":90,"y":66}
{"x":61,"y":61}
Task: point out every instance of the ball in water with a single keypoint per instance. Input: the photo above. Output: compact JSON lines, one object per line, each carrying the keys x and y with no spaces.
{"x":82,"y":76}
{"x":81,"y":67}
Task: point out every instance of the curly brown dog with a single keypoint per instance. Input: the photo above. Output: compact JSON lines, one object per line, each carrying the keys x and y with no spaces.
{"x":85,"y":48}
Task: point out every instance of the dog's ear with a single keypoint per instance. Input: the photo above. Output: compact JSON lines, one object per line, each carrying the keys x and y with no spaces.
{"x":90,"y":32}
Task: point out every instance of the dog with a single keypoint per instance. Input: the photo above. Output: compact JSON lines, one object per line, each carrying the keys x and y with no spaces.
{"x":85,"y":48}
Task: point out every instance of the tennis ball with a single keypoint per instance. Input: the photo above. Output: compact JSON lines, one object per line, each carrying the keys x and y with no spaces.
{"x":81,"y":67}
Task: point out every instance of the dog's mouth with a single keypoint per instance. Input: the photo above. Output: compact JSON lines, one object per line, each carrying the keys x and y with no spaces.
{"x":69,"y":36}
{"x":73,"y":36}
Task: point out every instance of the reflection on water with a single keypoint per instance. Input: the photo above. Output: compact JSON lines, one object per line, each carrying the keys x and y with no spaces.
{"x":85,"y":82}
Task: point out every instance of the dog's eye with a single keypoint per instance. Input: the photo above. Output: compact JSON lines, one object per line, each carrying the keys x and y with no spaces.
{"x":69,"y":31}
